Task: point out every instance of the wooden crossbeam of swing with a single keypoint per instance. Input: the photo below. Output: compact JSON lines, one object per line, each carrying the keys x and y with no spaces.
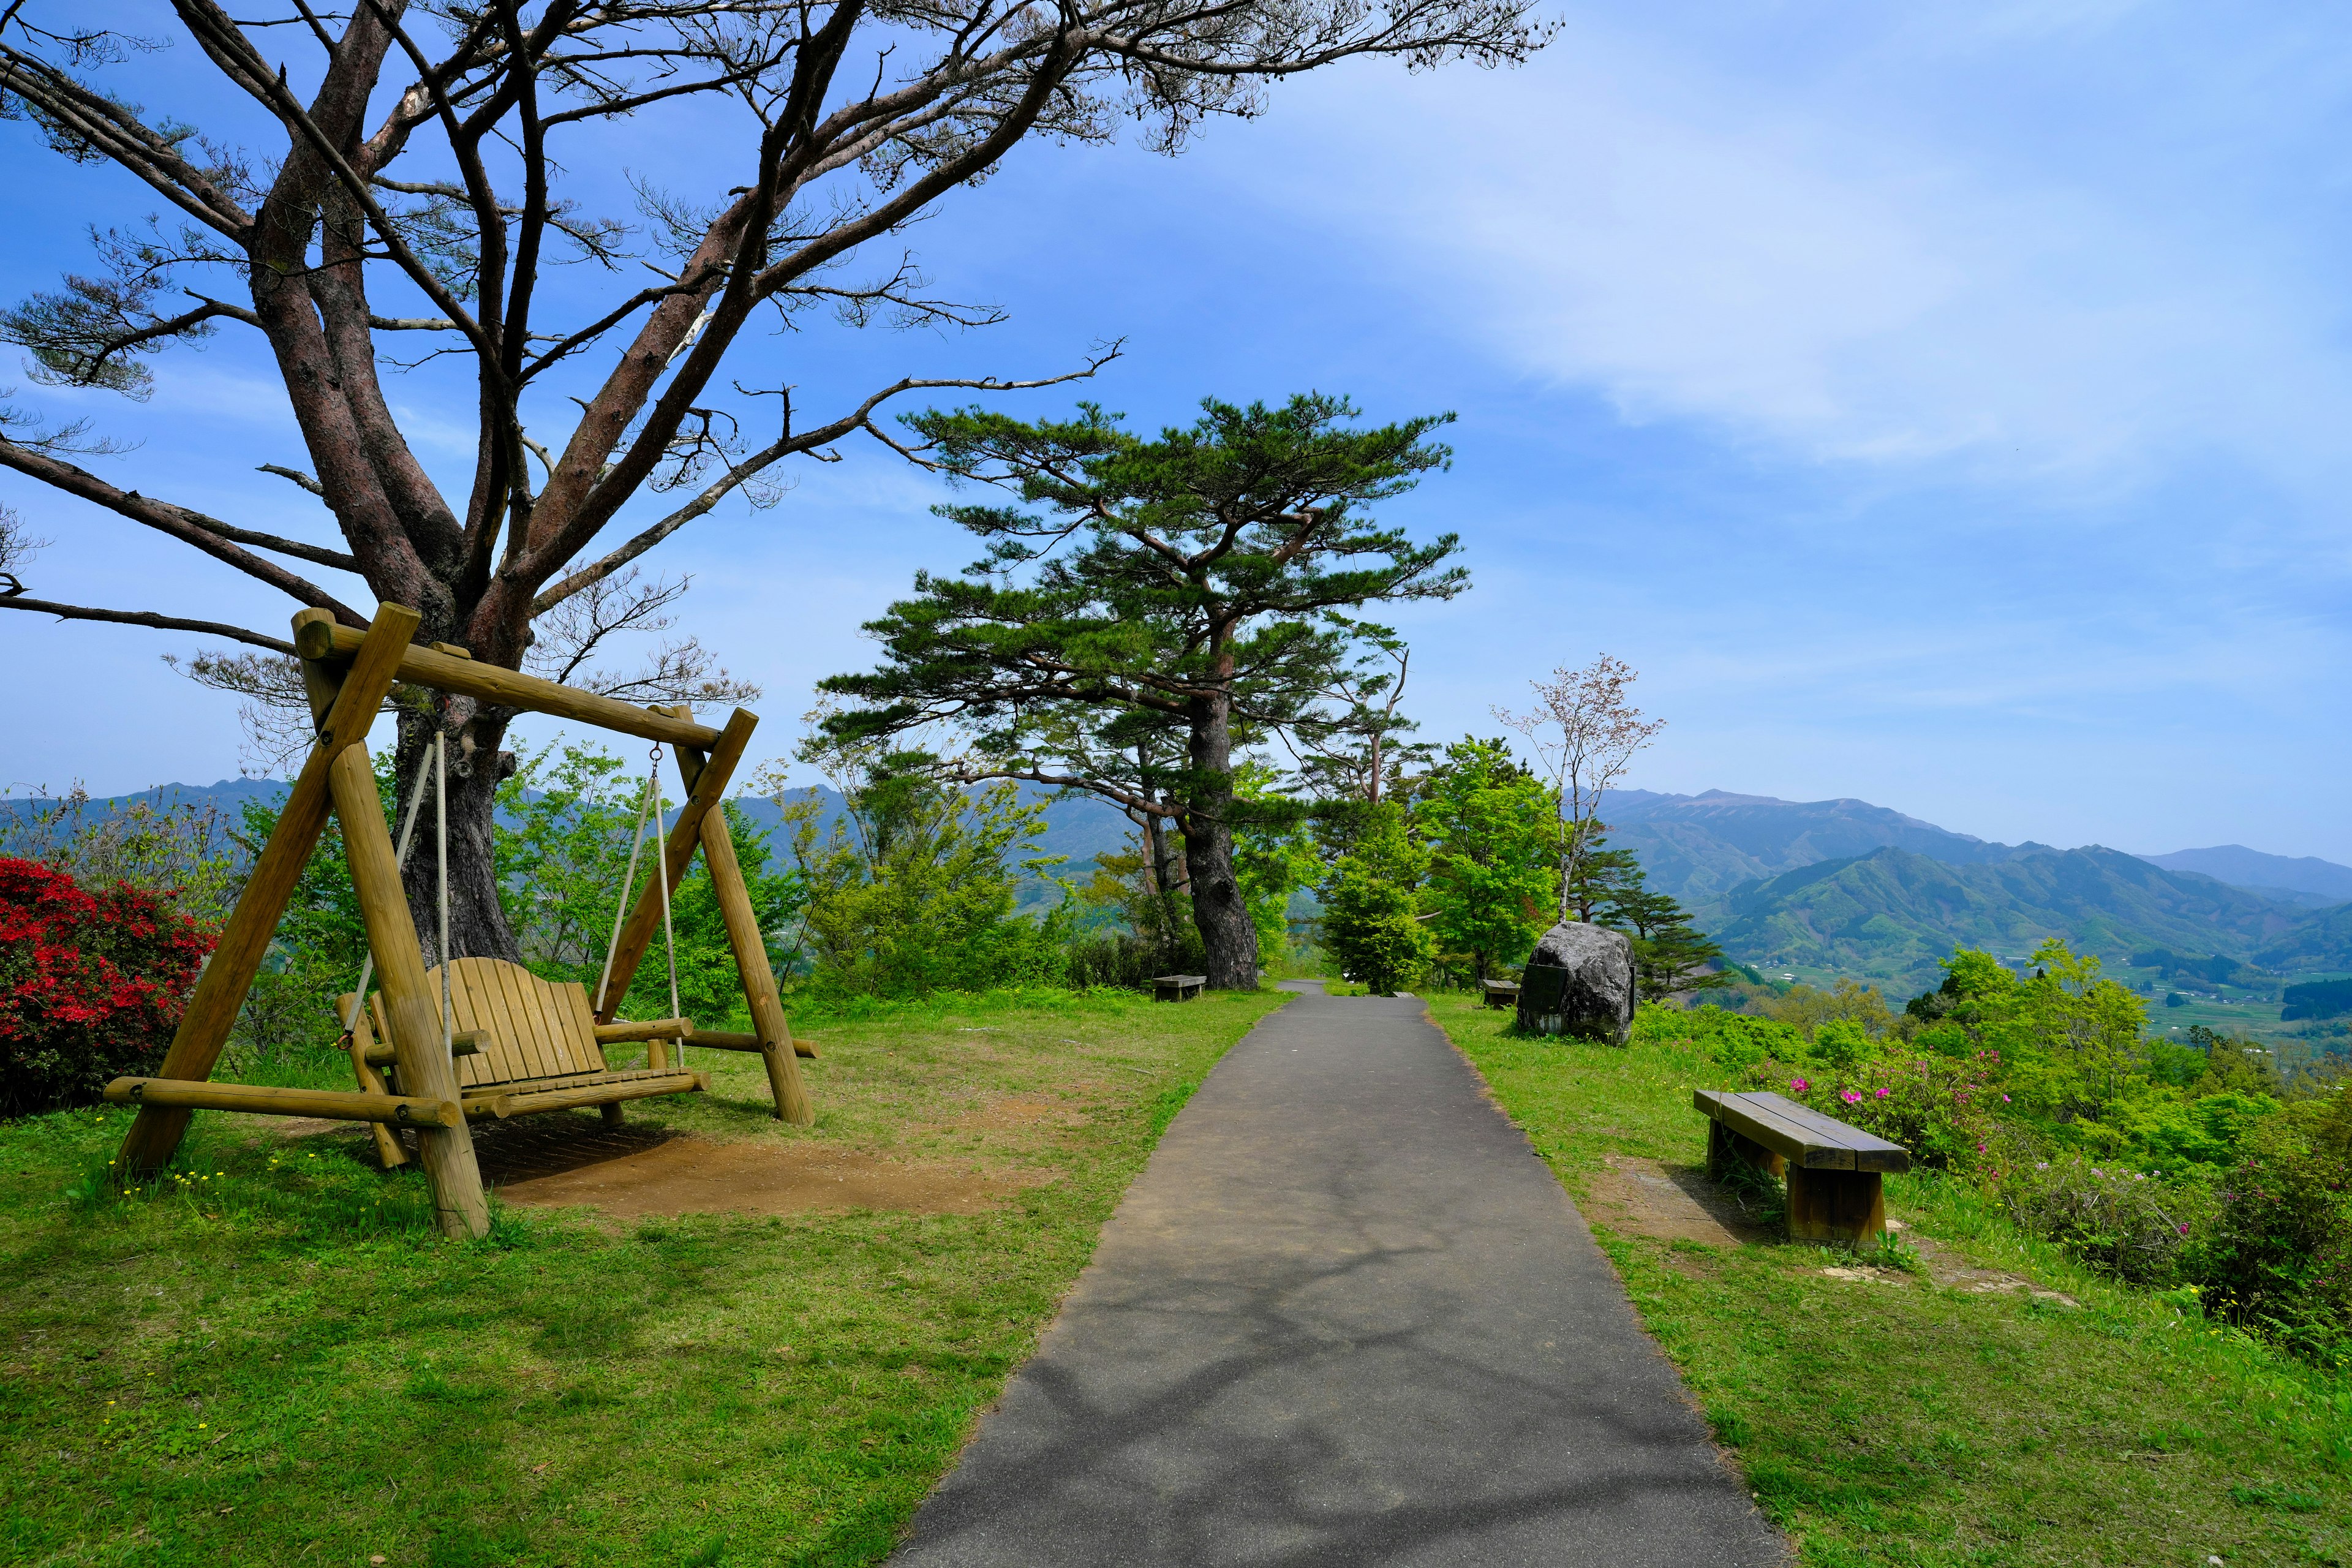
{"x":261,"y":1100}
{"x":510,"y":689}
{"x":228,"y":974}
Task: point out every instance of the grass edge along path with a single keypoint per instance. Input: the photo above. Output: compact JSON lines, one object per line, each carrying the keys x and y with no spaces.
{"x":269,"y":1359}
{"x":1908,"y":1424}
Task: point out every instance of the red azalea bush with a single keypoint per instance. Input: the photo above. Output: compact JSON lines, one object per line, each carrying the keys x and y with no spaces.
{"x":92,"y":983}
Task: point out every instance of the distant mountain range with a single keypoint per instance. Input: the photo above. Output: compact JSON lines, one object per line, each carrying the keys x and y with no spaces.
{"x":2301,"y":879}
{"x":1891,"y":914}
{"x":1846,"y":887}
{"x":1853,"y":888}
{"x":1078,"y":829}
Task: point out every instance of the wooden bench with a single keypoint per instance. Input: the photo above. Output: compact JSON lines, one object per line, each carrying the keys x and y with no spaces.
{"x":1501,"y":993}
{"x":1177,"y":987}
{"x":1833,"y":1171}
{"x":523,"y":1045}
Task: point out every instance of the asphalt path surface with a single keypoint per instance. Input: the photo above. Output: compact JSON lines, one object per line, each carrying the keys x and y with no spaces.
{"x":1343,"y":1317}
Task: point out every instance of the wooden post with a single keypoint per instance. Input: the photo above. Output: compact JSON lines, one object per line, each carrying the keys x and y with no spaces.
{"x":411,"y":1007}
{"x":706,"y":782}
{"x":220,"y":992}
{"x":1724,"y":1146}
{"x":1848,"y":1206}
{"x":388,"y":1151}
{"x":743,"y":935}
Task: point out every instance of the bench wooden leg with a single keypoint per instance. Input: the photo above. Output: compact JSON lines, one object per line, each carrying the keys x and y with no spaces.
{"x":1724,"y":1146}
{"x":610,"y":1113}
{"x":1844,"y":1207}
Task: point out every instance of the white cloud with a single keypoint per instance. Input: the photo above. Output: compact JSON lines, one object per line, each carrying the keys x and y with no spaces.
{"x":1793,"y":258}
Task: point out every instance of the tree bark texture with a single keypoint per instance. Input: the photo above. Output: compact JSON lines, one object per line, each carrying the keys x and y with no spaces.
{"x":1220,"y":912}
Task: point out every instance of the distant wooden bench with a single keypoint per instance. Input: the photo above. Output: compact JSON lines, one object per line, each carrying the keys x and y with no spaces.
{"x":1833,"y":1171}
{"x":1501,"y":993}
{"x":1177,"y":987}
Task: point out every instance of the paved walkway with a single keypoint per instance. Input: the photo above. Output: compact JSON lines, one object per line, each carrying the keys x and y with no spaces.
{"x":1343,"y":1317}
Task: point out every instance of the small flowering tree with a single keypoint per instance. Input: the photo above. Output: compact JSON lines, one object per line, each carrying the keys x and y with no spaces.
{"x":1586,"y":731}
{"x":92,"y":983}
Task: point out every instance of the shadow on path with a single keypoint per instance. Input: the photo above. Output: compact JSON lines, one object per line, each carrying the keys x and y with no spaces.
{"x":1343,"y":1317}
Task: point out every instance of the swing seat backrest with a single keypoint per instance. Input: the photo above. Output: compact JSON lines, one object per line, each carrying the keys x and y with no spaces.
{"x":536,"y":1028}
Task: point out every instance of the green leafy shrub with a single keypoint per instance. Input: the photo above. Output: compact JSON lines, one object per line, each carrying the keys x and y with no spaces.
{"x":92,"y":983}
{"x":1940,"y":1109}
{"x":910,"y":889}
{"x":1370,"y":908}
{"x":1840,"y":1045}
{"x":1736,"y":1040}
{"x":1130,"y":960}
{"x":2276,"y":1256}
{"x":2134,"y":1225}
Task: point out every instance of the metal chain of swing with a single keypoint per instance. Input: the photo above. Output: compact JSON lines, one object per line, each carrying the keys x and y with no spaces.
{"x":648,"y":804}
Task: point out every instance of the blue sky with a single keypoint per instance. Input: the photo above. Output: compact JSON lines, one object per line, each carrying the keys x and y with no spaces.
{"x":1939,"y":405}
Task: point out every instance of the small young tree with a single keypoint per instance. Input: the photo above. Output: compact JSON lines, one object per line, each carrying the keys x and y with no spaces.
{"x":1671,"y":956}
{"x":913,"y":886}
{"x":1489,"y":823}
{"x":1178,"y":584}
{"x":1372,"y":921}
{"x":1586,"y":733}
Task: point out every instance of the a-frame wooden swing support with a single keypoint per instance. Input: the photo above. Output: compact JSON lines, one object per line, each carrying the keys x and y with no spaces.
{"x":348,"y":673}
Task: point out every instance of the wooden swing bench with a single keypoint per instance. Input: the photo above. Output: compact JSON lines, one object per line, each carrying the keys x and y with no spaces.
{"x":521,"y":1045}
{"x":509,"y":1043}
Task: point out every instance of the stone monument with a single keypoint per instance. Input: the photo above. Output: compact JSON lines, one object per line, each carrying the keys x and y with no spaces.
{"x":1579,"y":981}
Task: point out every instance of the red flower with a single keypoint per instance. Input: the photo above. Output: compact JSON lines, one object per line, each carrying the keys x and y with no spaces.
{"x":92,"y":983}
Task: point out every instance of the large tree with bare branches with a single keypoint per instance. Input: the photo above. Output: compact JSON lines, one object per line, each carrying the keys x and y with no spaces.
{"x":396,"y":177}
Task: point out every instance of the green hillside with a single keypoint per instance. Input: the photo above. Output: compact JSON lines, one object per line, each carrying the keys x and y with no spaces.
{"x":2321,"y":942}
{"x":1891,"y":914}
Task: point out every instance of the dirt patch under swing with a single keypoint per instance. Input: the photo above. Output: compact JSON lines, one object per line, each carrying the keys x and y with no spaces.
{"x":637,"y":1172}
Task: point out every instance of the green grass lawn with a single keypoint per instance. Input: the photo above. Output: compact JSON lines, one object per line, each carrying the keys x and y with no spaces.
{"x":1908,"y":1424}
{"x":269,"y":1361}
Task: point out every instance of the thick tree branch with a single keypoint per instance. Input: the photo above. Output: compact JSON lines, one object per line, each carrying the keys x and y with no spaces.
{"x":147,"y":618}
{"x":214,"y":537}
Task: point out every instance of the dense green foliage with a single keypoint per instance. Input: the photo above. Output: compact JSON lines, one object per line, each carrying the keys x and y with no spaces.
{"x":2317,"y":999}
{"x":1371,"y":925}
{"x":912,"y":889}
{"x":1489,"y":825}
{"x":2168,"y":1165}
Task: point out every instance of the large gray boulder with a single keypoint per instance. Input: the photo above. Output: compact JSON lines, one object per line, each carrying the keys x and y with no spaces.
{"x":1579,"y":981}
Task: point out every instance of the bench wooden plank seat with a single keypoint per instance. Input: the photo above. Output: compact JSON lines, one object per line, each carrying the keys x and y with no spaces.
{"x":1500,"y":993}
{"x":523,"y":1045}
{"x":1833,"y":1171}
{"x":1177,"y":987}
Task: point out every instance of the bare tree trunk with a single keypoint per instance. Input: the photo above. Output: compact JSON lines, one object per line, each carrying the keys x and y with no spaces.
{"x":478,"y":764}
{"x":1219,"y":912}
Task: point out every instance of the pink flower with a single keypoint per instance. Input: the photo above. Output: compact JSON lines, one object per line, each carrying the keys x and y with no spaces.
{"x":1798,"y":1086}
{"x":1850,"y":1096}
{"x":2184,"y":1230}
{"x":2004,"y":1099}
{"x":1881,"y":1094}
{"x":1980,"y":1148}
